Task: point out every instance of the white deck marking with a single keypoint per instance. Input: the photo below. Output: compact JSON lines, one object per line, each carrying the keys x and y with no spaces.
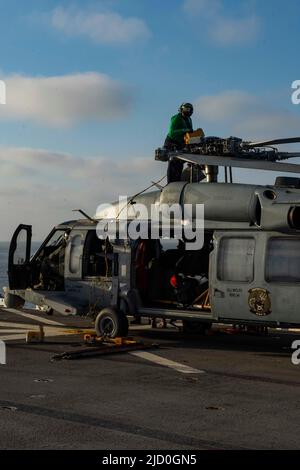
{"x":167,"y":362}
{"x":19,"y":330}
{"x":34,"y":326}
{"x":15,"y":330}
{"x":26,"y":326}
{"x":34,"y":317}
{"x":21,"y":334}
{"x":12,"y":337}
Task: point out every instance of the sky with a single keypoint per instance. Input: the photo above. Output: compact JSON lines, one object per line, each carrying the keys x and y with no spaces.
{"x":91,"y":87}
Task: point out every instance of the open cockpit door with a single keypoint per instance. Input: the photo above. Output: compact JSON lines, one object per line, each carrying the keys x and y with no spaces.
{"x":19,"y":258}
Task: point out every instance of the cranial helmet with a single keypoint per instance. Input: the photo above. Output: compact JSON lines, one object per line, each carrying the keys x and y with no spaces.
{"x":187,"y":109}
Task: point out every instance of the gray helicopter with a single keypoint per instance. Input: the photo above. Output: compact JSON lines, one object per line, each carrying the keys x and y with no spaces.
{"x":247,"y":270}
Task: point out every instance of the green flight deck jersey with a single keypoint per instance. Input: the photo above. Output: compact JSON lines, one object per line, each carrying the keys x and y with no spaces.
{"x":179,"y":126}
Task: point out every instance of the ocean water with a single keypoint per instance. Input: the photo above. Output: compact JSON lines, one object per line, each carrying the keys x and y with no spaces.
{"x":4,"y":247}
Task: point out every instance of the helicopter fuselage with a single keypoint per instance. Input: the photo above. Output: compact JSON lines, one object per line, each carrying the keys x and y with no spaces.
{"x":248,"y":270}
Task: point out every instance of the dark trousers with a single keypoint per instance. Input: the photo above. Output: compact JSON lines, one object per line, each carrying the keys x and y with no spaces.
{"x":174,"y":172}
{"x":175,"y":167}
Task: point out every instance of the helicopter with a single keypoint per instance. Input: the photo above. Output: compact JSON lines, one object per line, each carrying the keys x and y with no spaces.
{"x":246,"y":272}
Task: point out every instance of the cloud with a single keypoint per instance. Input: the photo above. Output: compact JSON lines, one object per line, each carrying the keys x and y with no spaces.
{"x":246,"y":115}
{"x":202,"y":7}
{"x":41,"y":187}
{"x":222,"y":29}
{"x":228,"y":31}
{"x":99,"y":27}
{"x":62,"y":101}
{"x":225,"y":105}
{"x":83,"y":170}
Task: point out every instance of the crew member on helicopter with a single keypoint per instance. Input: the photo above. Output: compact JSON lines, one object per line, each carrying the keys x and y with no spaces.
{"x":180,"y":124}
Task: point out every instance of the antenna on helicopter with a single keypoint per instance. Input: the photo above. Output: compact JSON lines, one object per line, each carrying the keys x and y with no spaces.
{"x":132,"y":201}
{"x":85,"y":215}
{"x":157,"y":185}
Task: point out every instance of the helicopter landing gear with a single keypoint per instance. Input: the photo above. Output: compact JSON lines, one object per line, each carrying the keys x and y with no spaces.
{"x":111,"y":323}
{"x":13,"y":301}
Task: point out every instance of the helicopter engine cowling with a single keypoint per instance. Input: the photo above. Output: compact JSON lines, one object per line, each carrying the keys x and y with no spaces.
{"x":223,"y":202}
{"x":267,"y":208}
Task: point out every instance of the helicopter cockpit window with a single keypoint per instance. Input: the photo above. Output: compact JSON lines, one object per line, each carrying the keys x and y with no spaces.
{"x":283,"y":260}
{"x":98,"y":255}
{"x":236,"y":259}
{"x":48,"y":268}
{"x":56,"y":238}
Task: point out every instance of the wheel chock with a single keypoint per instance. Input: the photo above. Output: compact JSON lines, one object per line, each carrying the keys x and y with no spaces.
{"x":90,"y":338}
{"x":35,"y":336}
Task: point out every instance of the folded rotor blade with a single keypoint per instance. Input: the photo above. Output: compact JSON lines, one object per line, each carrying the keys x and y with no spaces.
{"x":263,"y":143}
{"x":236,"y":162}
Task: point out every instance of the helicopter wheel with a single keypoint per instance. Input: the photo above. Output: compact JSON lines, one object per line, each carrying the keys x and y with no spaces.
{"x":111,"y":323}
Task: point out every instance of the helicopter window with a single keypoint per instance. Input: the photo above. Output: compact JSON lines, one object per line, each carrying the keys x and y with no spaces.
{"x":236,"y":259}
{"x":21,"y":248}
{"x":56,"y":238}
{"x":75,"y":254}
{"x":97,"y":256}
{"x":283,"y":260}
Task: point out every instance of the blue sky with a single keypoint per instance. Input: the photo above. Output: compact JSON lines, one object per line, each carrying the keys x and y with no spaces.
{"x":91,"y":87}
